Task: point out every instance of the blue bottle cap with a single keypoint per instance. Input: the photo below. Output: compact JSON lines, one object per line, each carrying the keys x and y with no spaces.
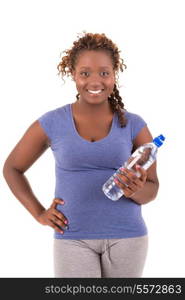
{"x":158,"y":141}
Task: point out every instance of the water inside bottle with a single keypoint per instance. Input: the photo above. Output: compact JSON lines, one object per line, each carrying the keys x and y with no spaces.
{"x":111,"y":190}
{"x":140,"y":159}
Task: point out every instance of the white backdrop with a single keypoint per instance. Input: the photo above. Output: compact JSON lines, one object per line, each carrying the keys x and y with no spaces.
{"x":150,"y":34}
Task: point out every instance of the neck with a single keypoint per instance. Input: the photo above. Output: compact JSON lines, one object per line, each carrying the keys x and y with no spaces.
{"x":98,"y":109}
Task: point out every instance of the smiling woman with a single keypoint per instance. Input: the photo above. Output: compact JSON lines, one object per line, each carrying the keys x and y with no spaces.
{"x":94,"y":62}
{"x":90,"y":139}
{"x":93,"y":84}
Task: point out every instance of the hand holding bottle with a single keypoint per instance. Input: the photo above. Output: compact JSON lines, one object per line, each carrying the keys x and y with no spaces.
{"x":129,"y":183}
{"x":144,"y":156}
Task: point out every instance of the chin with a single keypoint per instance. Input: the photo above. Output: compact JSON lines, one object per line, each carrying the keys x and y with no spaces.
{"x":95,"y":100}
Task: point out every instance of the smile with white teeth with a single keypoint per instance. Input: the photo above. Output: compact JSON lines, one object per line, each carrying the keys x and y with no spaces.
{"x":95,"y":92}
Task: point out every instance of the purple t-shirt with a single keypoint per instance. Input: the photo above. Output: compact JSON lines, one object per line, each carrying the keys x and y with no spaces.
{"x":82,"y":167}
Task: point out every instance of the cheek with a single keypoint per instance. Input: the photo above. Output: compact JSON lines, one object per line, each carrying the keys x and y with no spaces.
{"x":80,"y":84}
{"x":110,"y":84}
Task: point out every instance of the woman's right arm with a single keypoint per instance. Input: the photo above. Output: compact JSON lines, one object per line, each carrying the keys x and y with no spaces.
{"x":31,"y":146}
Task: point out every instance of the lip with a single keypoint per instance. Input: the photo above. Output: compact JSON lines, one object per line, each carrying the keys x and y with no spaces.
{"x":95,"y":94}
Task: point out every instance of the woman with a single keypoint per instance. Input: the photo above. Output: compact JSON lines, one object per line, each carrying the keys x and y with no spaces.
{"x":90,"y":139}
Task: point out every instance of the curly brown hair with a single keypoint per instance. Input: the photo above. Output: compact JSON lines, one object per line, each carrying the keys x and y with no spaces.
{"x":96,"y":41}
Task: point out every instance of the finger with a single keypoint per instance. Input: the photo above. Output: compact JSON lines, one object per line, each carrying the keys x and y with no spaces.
{"x":50,"y":223}
{"x":131,"y":185}
{"x":60,"y":216}
{"x":127,"y":190}
{"x":134,"y":180}
{"x":57,"y":201}
{"x":138,"y":181}
{"x":120,"y":184}
{"x":58,"y":222}
{"x":143,"y":173}
{"x":129,"y":173}
{"x":123,"y":179}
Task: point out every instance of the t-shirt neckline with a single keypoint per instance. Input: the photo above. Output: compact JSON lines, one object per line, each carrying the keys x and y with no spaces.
{"x":79,"y":136}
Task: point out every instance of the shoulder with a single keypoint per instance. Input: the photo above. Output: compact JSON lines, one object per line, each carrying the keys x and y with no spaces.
{"x":52,"y":116}
{"x":132,"y":117}
{"x":135,"y":123}
{"x":56,"y":111}
{"x":51,"y":120}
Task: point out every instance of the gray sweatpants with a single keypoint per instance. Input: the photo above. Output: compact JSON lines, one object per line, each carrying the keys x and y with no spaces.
{"x":100,"y":258}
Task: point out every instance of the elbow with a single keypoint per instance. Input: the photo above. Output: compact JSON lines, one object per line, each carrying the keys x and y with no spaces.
{"x":10,"y":170}
{"x":6,"y":169}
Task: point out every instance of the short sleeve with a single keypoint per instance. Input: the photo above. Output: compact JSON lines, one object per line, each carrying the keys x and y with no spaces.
{"x":47,"y":123}
{"x":137,"y":124}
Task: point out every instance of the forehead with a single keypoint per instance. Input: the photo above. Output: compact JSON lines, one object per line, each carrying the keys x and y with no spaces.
{"x":92,"y":58}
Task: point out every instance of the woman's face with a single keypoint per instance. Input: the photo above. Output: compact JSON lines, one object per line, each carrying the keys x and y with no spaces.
{"x":94,"y":76}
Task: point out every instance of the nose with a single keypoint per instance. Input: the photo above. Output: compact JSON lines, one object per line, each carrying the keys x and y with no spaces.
{"x":95,"y":82}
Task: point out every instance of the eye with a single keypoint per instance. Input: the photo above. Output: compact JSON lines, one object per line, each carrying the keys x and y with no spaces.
{"x":84,"y":74}
{"x":105,"y":73}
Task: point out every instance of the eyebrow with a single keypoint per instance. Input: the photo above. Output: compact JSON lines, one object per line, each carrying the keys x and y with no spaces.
{"x":101,"y":67}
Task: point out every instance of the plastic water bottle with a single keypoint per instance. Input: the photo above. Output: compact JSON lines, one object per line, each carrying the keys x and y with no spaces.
{"x":144,"y":156}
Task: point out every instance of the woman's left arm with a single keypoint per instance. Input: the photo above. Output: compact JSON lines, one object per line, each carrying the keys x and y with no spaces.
{"x":143,"y":189}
